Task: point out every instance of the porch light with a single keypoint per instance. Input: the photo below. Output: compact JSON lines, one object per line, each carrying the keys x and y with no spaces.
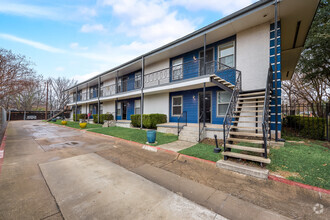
{"x":194,"y":97}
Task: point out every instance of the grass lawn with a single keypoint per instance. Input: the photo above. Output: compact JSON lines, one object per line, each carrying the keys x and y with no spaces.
{"x":136,"y":135}
{"x":73,"y":124}
{"x":203,"y":151}
{"x":306,"y":162}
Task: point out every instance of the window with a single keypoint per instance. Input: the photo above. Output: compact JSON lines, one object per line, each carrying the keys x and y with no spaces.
{"x":137,"y":80}
{"x":137,"y":108}
{"x":118,"y":108}
{"x":227,"y":55}
{"x":176,"y":105}
{"x":177,"y":72}
{"x":223,"y":100}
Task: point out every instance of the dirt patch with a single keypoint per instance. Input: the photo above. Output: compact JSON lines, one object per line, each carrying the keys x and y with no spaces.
{"x":286,"y":174}
{"x":210,"y":141}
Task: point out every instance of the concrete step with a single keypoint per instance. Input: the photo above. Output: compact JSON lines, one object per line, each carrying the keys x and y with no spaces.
{"x":247,"y":116}
{"x":252,"y":94}
{"x":248,"y":134}
{"x":254,"y":122}
{"x":246,"y":140}
{"x":249,"y":102}
{"x":194,"y":138}
{"x":249,"y":111}
{"x":251,"y":106}
{"x":246,"y":128}
{"x":247,"y":157}
{"x":253,"y":97}
{"x":243,"y":169}
{"x":251,"y":149}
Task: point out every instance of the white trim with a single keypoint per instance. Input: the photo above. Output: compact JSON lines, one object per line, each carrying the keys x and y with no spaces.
{"x":218,"y":93}
{"x":233,"y":43}
{"x":201,"y":93}
{"x":177,"y":65}
{"x":200,"y":58}
{"x":177,"y":96}
{"x":139,"y":101}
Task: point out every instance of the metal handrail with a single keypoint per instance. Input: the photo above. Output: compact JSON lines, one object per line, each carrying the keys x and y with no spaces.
{"x":266,"y":114}
{"x":227,"y":121}
{"x":184,"y":117}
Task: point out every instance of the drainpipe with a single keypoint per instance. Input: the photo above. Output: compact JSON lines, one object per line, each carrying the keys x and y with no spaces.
{"x":276,"y":101}
{"x":76,"y":103}
{"x":142,"y":95}
{"x":204,"y":60}
{"x":117,"y":82}
{"x":115,"y":116}
{"x":98,"y":100}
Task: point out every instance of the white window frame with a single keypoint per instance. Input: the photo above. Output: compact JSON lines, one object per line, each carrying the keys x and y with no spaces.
{"x":223,"y":103}
{"x":234,"y":54}
{"x":135,"y":107}
{"x":118,"y":108}
{"x":178,"y":96}
{"x":137,"y":79}
{"x":177,"y":67}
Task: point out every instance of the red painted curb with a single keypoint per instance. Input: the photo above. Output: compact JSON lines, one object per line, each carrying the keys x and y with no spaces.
{"x":2,"y":147}
{"x":293,"y":183}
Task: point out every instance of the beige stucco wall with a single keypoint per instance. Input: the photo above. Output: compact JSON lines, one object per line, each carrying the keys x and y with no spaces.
{"x":157,"y":103}
{"x":252,"y":46}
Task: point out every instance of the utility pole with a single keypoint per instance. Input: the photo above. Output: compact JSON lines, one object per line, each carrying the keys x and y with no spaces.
{"x":46,"y":100}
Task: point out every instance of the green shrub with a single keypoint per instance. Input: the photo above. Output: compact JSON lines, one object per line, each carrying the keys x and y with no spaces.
{"x":307,"y":127}
{"x":79,"y":116}
{"x":136,"y":120}
{"x":103,"y":117}
{"x":149,"y":120}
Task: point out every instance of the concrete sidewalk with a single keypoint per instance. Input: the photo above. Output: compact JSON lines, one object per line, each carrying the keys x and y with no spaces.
{"x":91,"y":187}
{"x":27,"y":196}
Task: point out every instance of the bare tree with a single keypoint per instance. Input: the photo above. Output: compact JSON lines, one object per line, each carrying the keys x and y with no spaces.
{"x":15,"y":75}
{"x":312,"y":92}
{"x":58,"y":98}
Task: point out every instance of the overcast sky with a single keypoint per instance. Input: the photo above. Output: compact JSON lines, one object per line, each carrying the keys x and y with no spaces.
{"x":79,"y":39}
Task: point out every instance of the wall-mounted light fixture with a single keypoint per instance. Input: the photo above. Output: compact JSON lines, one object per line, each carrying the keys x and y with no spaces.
{"x":194,"y":98}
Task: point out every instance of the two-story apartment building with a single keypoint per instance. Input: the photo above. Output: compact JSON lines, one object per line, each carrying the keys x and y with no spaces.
{"x":219,"y":79}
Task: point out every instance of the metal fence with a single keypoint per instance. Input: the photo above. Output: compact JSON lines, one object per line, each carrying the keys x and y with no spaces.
{"x":306,"y":120}
{"x":34,"y":115}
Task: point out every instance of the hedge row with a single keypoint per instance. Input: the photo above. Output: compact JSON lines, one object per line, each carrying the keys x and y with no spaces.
{"x":79,"y":116}
{"x":307,"y":127}
{"x":148,"y":120}
{"x":103,"y":117}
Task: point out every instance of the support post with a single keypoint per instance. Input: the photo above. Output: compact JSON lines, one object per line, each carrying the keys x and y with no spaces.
{"x":24,"y":115}
{"x":142,"y":95}
{"x":46,"y":100}
{"x":9,"y":115}
{"x":76,"y":104}
{"x":276,"y":100}
{"x":204,"y":61}
{"x":117,"y":82}
{"x":98,"y":99}
{"x":116,"y":103}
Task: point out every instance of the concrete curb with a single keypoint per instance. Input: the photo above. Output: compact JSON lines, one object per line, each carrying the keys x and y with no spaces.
{"x":301,"y":185}
{"x":143,"y":146}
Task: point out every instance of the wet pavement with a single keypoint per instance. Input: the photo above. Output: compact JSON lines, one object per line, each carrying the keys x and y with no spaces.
{"x":25,"y":194}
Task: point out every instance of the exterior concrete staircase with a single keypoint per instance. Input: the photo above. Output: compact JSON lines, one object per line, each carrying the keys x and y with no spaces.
{"x":189,"y":133}
{"x":247,"y":127}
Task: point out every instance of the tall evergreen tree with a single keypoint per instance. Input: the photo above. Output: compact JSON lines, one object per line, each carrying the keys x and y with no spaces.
{"x":314,"y":61}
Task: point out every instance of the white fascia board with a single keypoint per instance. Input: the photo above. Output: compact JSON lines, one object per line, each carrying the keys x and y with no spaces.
{"x":121,"y":95}
{"x":173,"y":86}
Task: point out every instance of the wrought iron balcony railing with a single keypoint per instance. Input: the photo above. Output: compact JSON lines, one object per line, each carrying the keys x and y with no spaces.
{"x":185,"y":71}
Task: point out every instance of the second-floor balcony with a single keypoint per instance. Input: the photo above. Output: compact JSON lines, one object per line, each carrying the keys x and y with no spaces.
{"x":173,"y":74}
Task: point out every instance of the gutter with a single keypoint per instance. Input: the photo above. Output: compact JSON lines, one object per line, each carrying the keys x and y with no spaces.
{"x":232,"y":16}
